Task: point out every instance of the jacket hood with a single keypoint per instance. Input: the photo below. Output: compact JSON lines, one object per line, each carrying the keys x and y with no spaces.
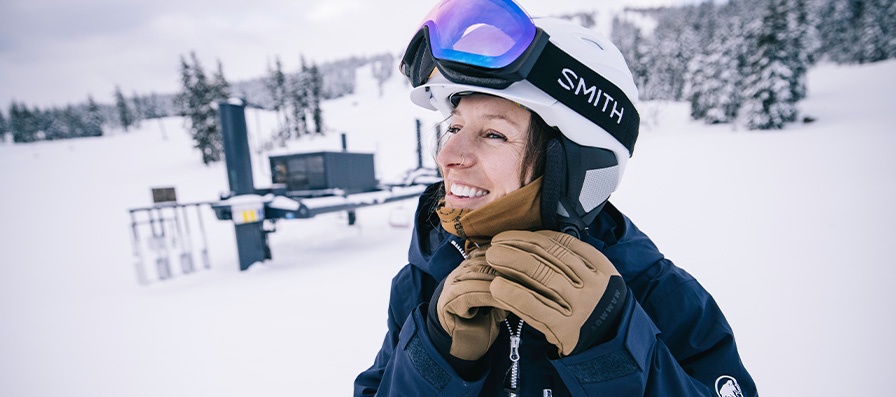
{"x":429,"y":240}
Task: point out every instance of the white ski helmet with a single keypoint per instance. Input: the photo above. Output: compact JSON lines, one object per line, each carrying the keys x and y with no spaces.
{"x":573,"y":77}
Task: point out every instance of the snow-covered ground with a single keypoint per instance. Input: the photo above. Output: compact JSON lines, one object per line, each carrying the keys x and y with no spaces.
{"x":789,"y":230}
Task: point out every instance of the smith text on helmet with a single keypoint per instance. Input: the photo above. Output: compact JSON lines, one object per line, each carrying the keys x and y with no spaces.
{"x":594,"y":93}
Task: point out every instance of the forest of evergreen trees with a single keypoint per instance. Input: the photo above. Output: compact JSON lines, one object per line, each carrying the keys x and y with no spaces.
{"x":740,"y":61}
{"x":745,"y":61}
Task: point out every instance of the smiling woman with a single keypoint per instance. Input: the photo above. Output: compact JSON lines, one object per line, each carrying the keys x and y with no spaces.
{"x":483,"y":155}
{"x":523,"y":278}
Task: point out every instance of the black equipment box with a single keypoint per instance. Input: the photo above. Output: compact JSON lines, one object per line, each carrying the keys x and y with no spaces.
{"x":350,"y":172}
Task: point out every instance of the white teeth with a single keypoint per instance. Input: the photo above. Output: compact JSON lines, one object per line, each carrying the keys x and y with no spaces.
{"x":467,"y":191}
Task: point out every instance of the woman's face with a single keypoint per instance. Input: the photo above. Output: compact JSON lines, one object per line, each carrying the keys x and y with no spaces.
{"x":482,"y":157}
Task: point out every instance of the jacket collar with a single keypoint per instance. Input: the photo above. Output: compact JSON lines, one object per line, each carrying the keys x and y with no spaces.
{"x":611,"y":232}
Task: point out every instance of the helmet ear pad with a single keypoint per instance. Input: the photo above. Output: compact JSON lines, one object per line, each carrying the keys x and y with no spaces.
{"x":578,"y":181}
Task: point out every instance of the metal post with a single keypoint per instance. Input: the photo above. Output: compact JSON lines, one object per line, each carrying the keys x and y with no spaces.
{"x":138,"y":256}
{"x":205,"y":260}
{"x":344,"y":143}
{"x":419,"y":146}
{"x":250,"y":238}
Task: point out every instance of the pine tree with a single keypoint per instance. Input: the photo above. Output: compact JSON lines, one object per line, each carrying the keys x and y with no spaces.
{"x":801,"y":33}
{"x":630,"y":41}
{"x":890,"y":29}
{"x":93,"y":123}
{"x":672,"y":46}
{"x":56,"y":124}
{"x":316,"y":90}
{"x":3,"y":128}
{"x":715,"y":82}
{"x":834,"y":29}
{"x":276,"y":85}
{"x":382,"y":67}
{"x":220,"y":86}
{"x":769,"y":102}
{"x":22,"y":123}
{"x":197,"y":101}
{"x":74,"y":122}
{"x":125,"y":116}
{"x":299,"y":101}
{"x":872,"y":38}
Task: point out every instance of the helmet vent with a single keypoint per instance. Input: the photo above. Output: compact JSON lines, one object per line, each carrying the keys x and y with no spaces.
{"x":597,"y":187}
{"x":593,"y":42}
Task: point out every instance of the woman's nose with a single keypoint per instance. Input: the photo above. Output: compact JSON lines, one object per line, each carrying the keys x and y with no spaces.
{"x":455,"y":153}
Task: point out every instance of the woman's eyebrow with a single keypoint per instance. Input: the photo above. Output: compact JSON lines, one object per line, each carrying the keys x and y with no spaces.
{"x":491,"y":116}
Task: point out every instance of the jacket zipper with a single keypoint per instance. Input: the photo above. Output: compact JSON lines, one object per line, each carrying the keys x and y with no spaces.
{"x":512,"y":378}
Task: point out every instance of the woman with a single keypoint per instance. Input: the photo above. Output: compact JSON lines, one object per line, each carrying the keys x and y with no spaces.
{"x":523,"y":278}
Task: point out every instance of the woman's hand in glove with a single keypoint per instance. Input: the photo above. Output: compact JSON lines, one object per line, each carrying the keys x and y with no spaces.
{"x":561,"y":286}
{"x":463,"y":308}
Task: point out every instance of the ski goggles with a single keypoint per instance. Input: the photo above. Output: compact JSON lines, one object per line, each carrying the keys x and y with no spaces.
{"x":490,"y":43}
{"x":495,"y":43}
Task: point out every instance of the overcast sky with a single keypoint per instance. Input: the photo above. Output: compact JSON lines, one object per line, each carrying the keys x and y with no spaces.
{"x":54,"y":52}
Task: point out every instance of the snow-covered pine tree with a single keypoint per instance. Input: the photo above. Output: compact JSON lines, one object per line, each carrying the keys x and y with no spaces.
{"x":631,"y":42}
{"x":871,"y":31}
{"x":672,"y":46}
{"x":768,"y":102}
{"x":298,"y":96}
{"x":93,"y":123}
{"x":220,"y":87}
{"x":73,"y":120}
{"x":198,"y":104}
{"x":3,"y":128}
{"x":888,"y":11}
{"x":803,"y":45}
{"x":276,"y":85}
{"x":835,"y":29}
{"x":139,"y":109}
{"x":715,"y":80}
{"x":125,"y":116}
{"x":381,"y":68}
{"x":890,"y":29}
{"x":316,"y":85}
{"x":22,"y":123}
{"x":206,"y":135}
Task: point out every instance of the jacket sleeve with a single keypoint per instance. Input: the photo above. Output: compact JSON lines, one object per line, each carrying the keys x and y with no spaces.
{"x":408,"y":364}
{"x":637,"y":361}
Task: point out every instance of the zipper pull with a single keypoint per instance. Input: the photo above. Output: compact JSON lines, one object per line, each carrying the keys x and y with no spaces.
{"x":512,"y":377}
{"x":514,"y":349}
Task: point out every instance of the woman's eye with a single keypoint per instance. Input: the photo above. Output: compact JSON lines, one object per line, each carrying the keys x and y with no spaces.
{"x":453,"y":129}
{"x":494,"y":135}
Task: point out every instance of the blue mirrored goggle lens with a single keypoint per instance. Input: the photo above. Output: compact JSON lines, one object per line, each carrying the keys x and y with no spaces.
{"x":485,"y":33}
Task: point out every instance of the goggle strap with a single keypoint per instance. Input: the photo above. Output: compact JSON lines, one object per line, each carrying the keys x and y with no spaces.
{"x":587,"y":93}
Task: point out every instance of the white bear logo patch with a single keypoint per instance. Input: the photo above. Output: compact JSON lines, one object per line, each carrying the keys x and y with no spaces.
{"x":726,"y":386}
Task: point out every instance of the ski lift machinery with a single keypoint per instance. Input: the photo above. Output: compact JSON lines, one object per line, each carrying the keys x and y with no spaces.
{"x":304,"y":185}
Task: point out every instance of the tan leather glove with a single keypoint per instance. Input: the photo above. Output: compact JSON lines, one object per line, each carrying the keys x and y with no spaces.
{"x":561,"y":286}
{"x":465,"y":307}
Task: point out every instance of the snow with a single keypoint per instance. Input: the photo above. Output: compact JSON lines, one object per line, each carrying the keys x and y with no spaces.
{"x":789,"y":230}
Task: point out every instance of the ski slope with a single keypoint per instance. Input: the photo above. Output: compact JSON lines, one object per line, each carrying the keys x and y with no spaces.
{"x":789,"y":230}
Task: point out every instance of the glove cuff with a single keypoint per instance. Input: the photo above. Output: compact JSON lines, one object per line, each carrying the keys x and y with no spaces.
{"x":467,"y":370}
{"x":604,"y":317}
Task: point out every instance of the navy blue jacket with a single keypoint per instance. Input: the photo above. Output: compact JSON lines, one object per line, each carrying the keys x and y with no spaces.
{"x":672,"y":339}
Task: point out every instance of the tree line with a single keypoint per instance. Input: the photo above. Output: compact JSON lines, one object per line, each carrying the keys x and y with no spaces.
{"x":88,"y":119}
{"x":745,"y":61}
{"x":295,"y":95}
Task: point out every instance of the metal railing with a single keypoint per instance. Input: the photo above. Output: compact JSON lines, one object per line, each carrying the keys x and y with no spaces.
{"x":167,"y":236}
